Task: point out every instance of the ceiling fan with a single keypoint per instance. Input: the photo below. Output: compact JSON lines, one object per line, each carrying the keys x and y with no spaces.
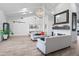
{"x":25,"y":11}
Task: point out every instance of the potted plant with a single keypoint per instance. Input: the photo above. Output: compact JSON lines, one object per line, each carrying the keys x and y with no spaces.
{"x":6,"y":34}
{"x":1,"y":32}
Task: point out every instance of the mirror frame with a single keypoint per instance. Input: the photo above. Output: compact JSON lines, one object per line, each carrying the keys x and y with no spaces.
{"x":74,"y":21}
{"x":67,"y":17}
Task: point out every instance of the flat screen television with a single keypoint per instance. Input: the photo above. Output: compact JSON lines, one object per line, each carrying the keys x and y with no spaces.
{"x":62,"y":17}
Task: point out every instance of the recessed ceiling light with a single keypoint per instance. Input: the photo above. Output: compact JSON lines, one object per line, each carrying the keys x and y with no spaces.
{"x":30,"y":12}
{"x":24,"y":10}
{"x":24,"y":13}
{"x":52,"y":12}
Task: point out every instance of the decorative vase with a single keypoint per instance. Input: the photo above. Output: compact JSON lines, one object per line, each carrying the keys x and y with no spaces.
{"x":5,"y":36}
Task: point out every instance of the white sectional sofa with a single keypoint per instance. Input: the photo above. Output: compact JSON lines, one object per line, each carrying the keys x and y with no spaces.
{"x":34,"y":37}
{"x":53,"y":43}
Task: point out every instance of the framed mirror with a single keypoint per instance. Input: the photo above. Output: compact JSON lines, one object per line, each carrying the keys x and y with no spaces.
{"x":62,"y":17}
{"x":74,"y":21}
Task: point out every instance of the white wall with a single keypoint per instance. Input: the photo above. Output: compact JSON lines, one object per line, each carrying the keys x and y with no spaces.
{"x":20,"y":29}
{"x":2,"y":19}
{"x":23,"y":28}
{"x":50,"y":24}
{"x":72,"y":8}
{"x":60,"y":8}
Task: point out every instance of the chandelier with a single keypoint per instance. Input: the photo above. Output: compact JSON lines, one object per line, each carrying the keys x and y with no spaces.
{"x":40,"y":12}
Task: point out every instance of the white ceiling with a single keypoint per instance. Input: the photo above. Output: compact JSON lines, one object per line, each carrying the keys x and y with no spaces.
{"x":77,"y":4}
{"x":11,"y":9}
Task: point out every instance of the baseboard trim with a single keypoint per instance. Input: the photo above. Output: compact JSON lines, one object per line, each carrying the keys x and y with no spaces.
{"x":19,"y":36}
